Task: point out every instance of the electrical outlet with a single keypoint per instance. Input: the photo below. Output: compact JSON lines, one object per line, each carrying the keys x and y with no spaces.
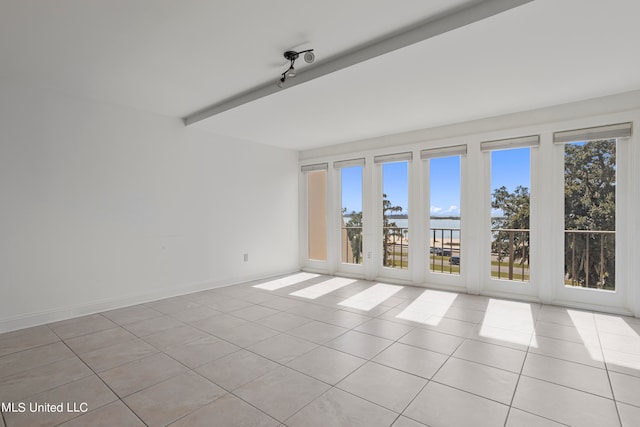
{"x":246,"y":257}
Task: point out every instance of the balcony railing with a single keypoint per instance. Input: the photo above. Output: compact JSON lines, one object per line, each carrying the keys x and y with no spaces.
{"x":589,"y":259}
{"x":352,"y":245}
{"x":510,"y":254}
{"x":395,"y":247}
{"x":444,"y":250}
{"x":589,"y":254}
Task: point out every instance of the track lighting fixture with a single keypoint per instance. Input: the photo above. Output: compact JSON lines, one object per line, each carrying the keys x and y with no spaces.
{"x":291,"y":55}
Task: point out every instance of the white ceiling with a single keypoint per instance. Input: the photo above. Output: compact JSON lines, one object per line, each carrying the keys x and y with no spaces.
{"x":176,"y":57}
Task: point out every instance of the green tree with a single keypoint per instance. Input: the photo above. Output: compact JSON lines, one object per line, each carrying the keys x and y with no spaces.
{"x":515,"y":209}
{"x":389,"y":229}
{"x":590,"y":204}
{"x":354,"y":234}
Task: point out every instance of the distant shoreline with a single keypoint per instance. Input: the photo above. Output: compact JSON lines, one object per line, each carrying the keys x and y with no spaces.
{"x":405,"y":216}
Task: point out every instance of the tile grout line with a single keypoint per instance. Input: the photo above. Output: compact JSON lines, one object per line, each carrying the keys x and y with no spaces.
{"x":429,"y":380}
{"x":606,"y":367}
{"x":353,"y":328}
{"x":515,"y":389}
{"x":103,"y":382}
{"x":546,"y":381}
{"x":32,"y":348}
{"x":396,"y":341}
{"x":434,"y":374}
{"x":240,"y":348}
{"x":159,"y":351}
{"x":188,"y":370}
{"x":47,"y":364}
{"x":331,"y":386}
{"x":83,"y":334}
{"x":228,"y":391}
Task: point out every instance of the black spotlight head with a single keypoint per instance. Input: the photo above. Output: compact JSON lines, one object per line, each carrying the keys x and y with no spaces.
{"x":309,"y":57}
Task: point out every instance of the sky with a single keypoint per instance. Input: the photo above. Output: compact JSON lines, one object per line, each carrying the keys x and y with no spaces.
{"x":352,"y":188}
{"x":511,"y":168}
{"x":444,"y":190}
{"x":508,"y":167}
{"x":395,"y":184}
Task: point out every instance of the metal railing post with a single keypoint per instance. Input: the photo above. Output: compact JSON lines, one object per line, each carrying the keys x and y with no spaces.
{"x":450,"y":249}
{"x":499,"y":261}
{"x":433,"y":254}
{"x":401,"y":248}
{"x":511,"y":255}
{"x":522,"y":239}
{"x":573,"y":261}
{"x":586,"y":264}
{"x":601,"y":262}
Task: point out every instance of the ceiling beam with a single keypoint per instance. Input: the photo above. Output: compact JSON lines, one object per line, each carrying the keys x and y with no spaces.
{"x":427,"y":29}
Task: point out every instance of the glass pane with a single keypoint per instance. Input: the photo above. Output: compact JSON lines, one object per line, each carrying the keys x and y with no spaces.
{"x":510,"y":182}
{"x":590,"y":214}
{"x":351,"y":211}
{"x":395,"y":215}
{"x":317,"y":208}
{"x":444,"y":208}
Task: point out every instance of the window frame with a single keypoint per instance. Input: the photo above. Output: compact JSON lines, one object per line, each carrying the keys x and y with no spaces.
{"x":451,"y":281}
{"x":315,"y":265}
{"x":398,"y":274}
{"x":496,"y":286}
{"x":616,"y":299}
{"x":350,"y":269}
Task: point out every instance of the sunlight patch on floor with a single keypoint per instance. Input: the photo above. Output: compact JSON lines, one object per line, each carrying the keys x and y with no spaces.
{"x":618,"y":336}
{"x":286,"y":281}
{"x":371,"y":297}
{"x":508,"y":321}
{"x":320,"y":289}
{"x":512,"y":315}
{"x":429,"y":308}
{"x":617,"y":359}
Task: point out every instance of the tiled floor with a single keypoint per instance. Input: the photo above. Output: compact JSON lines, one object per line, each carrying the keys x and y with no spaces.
{"x":338,"y":352}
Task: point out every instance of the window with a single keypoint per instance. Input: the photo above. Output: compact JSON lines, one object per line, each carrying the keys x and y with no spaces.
{"x":395,"y":210}
{"x":351,"y":211}
{"x":316,"y":211}
{"x":590,"y":214}
{"x":444,"y":208}
{"x":590,"y":197}
{"x":510,"y":207}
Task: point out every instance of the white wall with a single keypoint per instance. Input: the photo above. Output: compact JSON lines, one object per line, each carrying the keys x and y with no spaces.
{"x":104,"y":206}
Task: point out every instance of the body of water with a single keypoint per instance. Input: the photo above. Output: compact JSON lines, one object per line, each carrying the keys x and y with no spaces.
{"x":435,"y":223}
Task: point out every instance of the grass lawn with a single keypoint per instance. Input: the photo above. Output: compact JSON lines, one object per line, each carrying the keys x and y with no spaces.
{"x":505,"y":275}
{"x":446,"y":268}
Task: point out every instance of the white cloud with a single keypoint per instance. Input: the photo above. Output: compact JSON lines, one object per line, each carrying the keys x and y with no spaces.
{"x":452,"y":209}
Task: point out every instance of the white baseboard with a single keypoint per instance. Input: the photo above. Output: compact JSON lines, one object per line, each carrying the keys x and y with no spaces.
{"x":35,"y":319}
